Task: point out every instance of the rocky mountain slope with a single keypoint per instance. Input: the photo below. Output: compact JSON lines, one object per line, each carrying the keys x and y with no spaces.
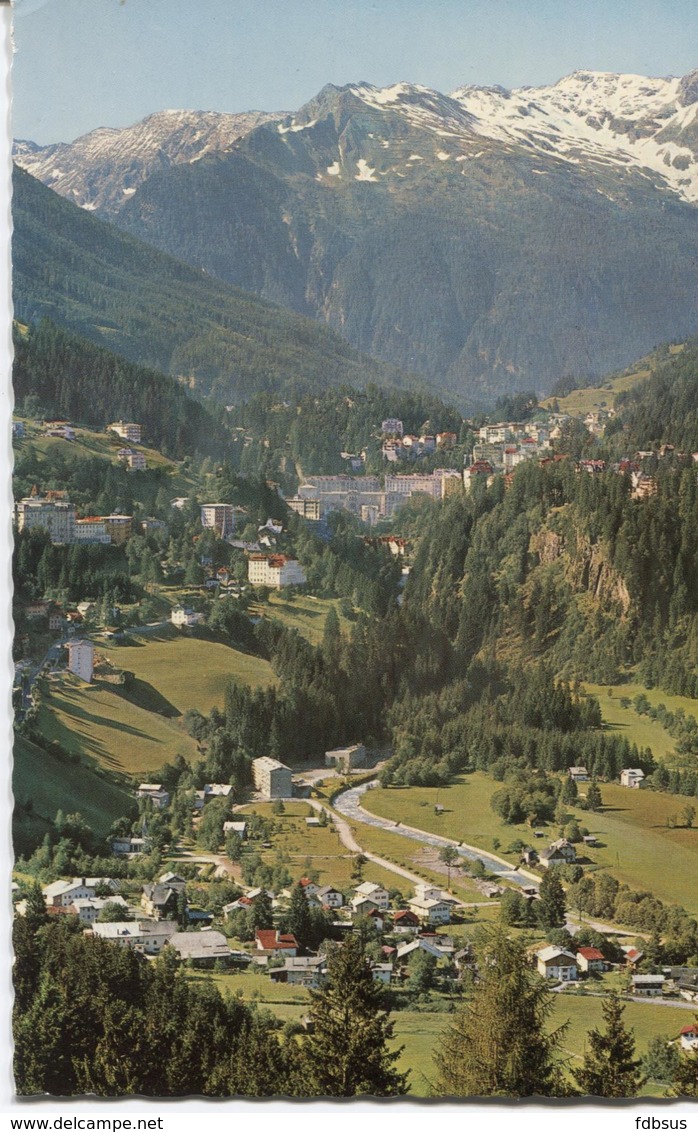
{"x":102,"y":169}
{"x":87,"y":276}
{"x":489,"y":240}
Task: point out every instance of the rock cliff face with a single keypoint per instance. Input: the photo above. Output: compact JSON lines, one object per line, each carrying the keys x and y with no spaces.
{"x":585,"y":567}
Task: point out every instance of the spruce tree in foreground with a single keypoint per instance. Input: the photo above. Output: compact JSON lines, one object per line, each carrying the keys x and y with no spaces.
{"x":348,"y":1052}
{"x":498,"y":1045}
{"x":610,"y":1068}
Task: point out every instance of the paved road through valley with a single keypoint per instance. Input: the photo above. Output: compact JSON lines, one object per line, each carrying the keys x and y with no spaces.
{"x":349,"y":804}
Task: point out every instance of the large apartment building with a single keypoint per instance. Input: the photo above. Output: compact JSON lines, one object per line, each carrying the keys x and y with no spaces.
{"x":55,"y":516}
{"x":275,"y":571}
{"x":219,"y":517}
{"x":127,"y":430}
{"x":272,"y":778}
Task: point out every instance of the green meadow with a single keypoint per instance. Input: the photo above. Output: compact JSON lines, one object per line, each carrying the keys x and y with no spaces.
{"x":636,"y":842}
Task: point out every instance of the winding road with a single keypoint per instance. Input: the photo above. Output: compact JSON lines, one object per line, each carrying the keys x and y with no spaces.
{"x":348,"y":803}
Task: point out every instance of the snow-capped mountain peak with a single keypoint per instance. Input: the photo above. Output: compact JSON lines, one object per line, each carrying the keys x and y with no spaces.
{"x":602,"y":118}
{"x":104,"y":167}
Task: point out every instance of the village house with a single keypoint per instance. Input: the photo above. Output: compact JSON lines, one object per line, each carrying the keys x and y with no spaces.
{"x":273,"y":943}
{"x":556,"y":963}
{"x":420,"y":944}
{"x":346,"y":758}
{"x":62,"y":893}
{"x":362,"y":905}
{"x":431,"y":910}
{"x":238,"y":827}
{"x":183,"y":617}
{"x":127,"y":846}
{"x":632,"y":956}
{"x":146,"y":936}
{"x":405,"y":921}
{"x":329,"y":897}
{"x":310,"y":888}
{"x":590,"y":959}
{"x":301,"y":971}
{"x":156,"y":793}
{"x":632,"y":777}
{"x":271,"y":778}
{"x":647,"y":986}
{"x":382,"y":972}
{"x":374,"y":892}
{"x":87,"y":910}
{"x":560,"y":852}
{"x":685,"y":981}
{"x":173,"y":881}
{"x":688,"y":1038}
{"x":578,"y":773}
{"x":159,"y":901}
{"x":201,"y":949}
{"x":127,"y":430}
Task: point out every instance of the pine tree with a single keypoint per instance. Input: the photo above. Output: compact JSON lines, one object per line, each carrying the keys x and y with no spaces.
{"x":594,"y":801}
{"x":609,"y":1068}
{"x":551,"y":908}
{"x":298,"y":920}
{"x":498,"y":1044}
{"x":347,"y":1054}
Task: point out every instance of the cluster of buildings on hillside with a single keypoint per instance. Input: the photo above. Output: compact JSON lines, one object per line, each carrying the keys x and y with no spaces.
{"x":398,"y":445}
{"x":54,"y":513}
{"x":366,"y":497}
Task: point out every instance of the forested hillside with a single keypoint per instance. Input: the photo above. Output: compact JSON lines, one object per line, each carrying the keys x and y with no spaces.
{"x":155,"y":311}
{"x":59,"y":374}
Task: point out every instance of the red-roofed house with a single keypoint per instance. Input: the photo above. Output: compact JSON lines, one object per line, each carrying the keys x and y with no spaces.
{"x":271,"y":942}
{"x":689,"y":1038}
{"x":309,"y":887}
{"x":590,"y":959}
{"x":405,"y":921}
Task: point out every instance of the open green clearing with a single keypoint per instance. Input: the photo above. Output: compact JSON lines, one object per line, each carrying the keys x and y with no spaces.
{"x":636,"y":728}
{"x":637,"y":847}
{"x":52,"y":784}
{"x":302,"y":612}
{"x":98,"y":722}
{"x":186,"y":672}
{"x":593,"y":397}
{"x":317,"y":847}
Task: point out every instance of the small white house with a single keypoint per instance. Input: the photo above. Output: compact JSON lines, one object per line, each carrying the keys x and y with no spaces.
{"x":374,"y":892}
{"x":183,"y":617}
{"x":632,"y":777}
{"x":157,"y":794}
{"x":556,"y":963}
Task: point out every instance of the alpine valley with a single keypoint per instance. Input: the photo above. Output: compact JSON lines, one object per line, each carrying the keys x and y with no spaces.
{"x":356,"y":598}
{"x":487,"y":240}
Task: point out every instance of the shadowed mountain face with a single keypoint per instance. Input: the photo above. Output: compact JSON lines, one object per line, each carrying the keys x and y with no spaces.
{"x":489,"y":240}
{"x":151,"y":309}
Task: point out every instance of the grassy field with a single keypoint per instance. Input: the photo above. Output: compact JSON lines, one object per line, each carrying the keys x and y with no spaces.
{"x":99,"y":723}
{"x":636,"y":728}
{"x":320,"y":846}
{"x":635,"y":841}
{"x":53,"y":785}
{"x":305,"y":613}
{"x":186,"y":672}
